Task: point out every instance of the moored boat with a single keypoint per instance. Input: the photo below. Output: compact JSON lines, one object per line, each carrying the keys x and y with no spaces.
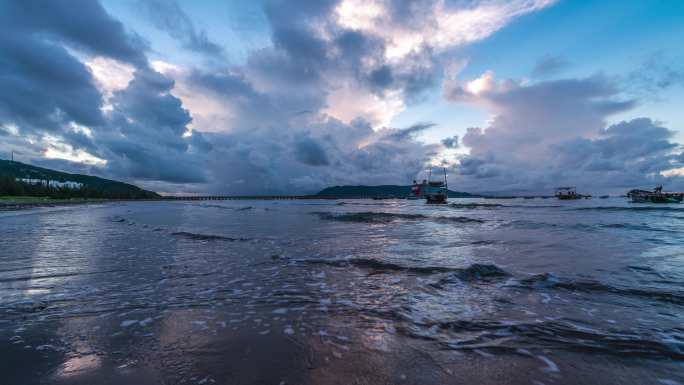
{"x":655,"y":196}
{"x":416,"y":190}
{"x":567,"y":193}
{"x":436,"y":191}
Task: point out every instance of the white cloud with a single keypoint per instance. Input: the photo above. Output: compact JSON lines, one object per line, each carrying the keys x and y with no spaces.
{"x":437,"y":24}
{"x":556,"y":133}
{"x":110,"y":76}
{"x":57,"y":149}
{"x":675,"y":172}
{"x":349,"y":102}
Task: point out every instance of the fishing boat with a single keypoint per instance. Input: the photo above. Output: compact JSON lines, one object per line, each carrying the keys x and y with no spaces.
{"x":416,"y":190}
{"x":569,"y":193}
{"x":655,"y":196}
{"x":436,"y":191}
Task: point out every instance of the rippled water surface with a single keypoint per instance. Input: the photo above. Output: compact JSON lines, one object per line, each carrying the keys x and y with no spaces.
{"x":343,"y":292}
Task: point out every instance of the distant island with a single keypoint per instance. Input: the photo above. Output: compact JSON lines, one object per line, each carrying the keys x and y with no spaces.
{"x":383,"y":191}
{"x":19,"y":179}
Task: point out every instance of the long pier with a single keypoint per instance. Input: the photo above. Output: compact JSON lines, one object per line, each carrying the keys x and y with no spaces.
{"x":243,"y":197}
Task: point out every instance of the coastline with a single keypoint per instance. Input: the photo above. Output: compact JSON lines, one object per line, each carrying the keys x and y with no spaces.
{"x":25,"y":203}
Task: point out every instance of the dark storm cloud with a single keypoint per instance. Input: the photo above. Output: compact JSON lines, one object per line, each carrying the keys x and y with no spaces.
{"x":381,"y":77}
{"x":146,"y":139}
{"x":43,"y":86}
{"x":83,"y":24}
{"x":168,"y":16}
{"x":45,"y":89}
{"x":310,"y":152}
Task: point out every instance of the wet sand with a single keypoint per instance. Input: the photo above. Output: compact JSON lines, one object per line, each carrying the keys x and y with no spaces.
{"x":176,"y":293}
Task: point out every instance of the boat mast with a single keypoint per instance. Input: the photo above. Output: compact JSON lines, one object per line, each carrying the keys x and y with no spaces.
{"x":446,"y":186}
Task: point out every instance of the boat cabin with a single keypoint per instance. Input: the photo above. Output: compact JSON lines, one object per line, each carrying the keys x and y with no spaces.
{"x":567,"y":193}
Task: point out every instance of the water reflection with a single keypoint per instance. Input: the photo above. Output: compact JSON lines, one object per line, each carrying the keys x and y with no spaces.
{"x":111,"y":294}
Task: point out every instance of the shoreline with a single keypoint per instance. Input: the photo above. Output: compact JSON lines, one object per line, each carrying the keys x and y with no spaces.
{"x":25,"y":204}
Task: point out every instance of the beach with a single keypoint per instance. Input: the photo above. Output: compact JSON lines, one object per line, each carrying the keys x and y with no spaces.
{"x":511,"y":291}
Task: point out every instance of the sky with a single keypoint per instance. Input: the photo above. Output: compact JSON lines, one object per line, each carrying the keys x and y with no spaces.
{"x":290,"y":96}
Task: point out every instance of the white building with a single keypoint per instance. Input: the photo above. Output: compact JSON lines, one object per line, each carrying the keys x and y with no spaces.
{"x":52,"y":183}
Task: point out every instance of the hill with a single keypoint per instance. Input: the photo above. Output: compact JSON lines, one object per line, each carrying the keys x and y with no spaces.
{"x":82,"y":186}
{"x":378,"y":191}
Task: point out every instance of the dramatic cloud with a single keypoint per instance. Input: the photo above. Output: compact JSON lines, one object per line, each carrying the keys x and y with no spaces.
{"x":554,"y":132}
{"x":410,"y":27}
{"x":312,"y":108}
{"x":61,"y":108}
{"x":80,"y":24}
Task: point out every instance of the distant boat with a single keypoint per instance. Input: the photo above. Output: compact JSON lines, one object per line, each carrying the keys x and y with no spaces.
{"x":604,"y":196}
{"x":655,"y":196}
{"x":416,"y":190}
{"x":569,"y":193}
{"x":436,"y":191}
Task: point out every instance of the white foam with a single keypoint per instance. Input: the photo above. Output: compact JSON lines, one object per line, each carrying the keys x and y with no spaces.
{"x":667,"y":381}
{"x":146,"y":321}
{"x":127,"y":323}
{"x":551,"y":366}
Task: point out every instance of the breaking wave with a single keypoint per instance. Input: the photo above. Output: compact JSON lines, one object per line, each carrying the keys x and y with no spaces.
{"x":242,"y":208}
{"x":471,"y":273}
{"x":487,"y":206}
{"x":548,"y":280}
{"x":206,"y":237}
{"x":383,"y":217}
{"x":562,"y":334}
{"x":630,"y":208}
{"x":475,"y":205}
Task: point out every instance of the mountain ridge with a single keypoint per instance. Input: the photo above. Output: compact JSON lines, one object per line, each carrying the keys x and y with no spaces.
{"x":96,"y":186}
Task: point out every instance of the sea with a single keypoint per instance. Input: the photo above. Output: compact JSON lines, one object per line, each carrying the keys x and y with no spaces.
{"x":477,"y":291}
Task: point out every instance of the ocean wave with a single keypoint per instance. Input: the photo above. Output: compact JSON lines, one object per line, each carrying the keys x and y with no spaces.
{"x":561,"y":334}
{"x":206,"y":237}
{"x":527,"y":224}
{"x":492,"y":206}
{"x":473,"y":272}
{"x":210,"y":206}
{"x":384,"y":217}
{"x":548,"y":280}
{"x":629,"y":208}
{"x":476,"y":205}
